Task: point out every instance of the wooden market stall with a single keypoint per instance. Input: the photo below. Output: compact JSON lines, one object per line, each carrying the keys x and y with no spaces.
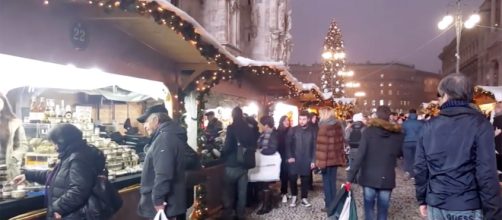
{"x":75,"y":36}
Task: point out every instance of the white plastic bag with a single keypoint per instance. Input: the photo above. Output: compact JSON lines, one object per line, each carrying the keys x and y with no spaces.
{"x":268,"y":168}
{"x":160,"y":215}
{"x":345,"y":215}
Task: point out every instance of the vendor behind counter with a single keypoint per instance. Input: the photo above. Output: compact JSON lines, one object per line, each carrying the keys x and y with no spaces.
{"x":12,"y":141}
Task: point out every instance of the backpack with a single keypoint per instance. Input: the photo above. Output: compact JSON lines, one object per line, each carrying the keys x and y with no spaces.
{"x":355,"y":136}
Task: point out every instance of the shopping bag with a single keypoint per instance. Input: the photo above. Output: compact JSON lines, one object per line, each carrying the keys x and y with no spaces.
{"x":160,"y":215}
{"x":335,"y":207}
{"x":342,"y":204}
{"x":345,"y":214}
{"x":353,"y":210}
{"x":349,"y":211}
{"x":267,"y":169}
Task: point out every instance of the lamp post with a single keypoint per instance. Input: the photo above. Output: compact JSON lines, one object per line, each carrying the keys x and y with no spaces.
{"x":456,"y":20}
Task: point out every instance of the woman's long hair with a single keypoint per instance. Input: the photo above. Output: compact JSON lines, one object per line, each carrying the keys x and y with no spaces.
{"x":281,"y":123}
{"x":6,"y":115}
{"x":326,"y":113}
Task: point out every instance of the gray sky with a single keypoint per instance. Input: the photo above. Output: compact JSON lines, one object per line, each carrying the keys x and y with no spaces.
{"x":375,"y":30}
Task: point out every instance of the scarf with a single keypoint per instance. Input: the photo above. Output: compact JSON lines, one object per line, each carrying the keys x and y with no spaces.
{"x":264,"y":139}
{"x":455,"y":103}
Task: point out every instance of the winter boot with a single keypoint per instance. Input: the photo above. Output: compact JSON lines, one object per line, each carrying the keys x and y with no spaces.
{"x":266,"y":206}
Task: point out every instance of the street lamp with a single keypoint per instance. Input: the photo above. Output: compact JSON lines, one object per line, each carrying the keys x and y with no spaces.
{"x":456,"y":20}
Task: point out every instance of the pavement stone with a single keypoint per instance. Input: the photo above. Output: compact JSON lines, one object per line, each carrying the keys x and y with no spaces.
{"x":403,"y":203}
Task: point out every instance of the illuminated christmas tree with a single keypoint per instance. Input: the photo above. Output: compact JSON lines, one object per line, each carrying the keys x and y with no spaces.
{"x":334,"y":63}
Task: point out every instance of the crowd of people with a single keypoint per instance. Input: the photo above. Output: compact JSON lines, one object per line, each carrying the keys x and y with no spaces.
{"x":451,"y":158}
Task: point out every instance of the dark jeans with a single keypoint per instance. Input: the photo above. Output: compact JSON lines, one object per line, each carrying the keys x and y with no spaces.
{"x":293,"y":182}
{"x":383,"y":201}
{"x":409,"y":149}
{"x":441,"y":214}
{"x":236,"y":183}
{"x":329,"y":184}
{"x":284,"y":178}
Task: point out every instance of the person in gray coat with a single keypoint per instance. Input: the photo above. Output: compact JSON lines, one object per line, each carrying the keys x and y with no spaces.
{"x":300,"y":151}
{"x":163,"y":176}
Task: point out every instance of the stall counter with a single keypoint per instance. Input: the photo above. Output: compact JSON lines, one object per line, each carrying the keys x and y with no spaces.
{"x":14,"y":207}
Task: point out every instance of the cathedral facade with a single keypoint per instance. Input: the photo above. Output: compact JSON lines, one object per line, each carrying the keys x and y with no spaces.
{"x":256,"y":29}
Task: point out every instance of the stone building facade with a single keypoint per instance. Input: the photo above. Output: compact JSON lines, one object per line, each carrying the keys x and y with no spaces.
{"x":480,"y":48}
{"x":257,"y":29}
{"x":400,"y":86}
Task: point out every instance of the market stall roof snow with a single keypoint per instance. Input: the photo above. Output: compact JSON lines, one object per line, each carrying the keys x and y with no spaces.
{"x":25,"y":72}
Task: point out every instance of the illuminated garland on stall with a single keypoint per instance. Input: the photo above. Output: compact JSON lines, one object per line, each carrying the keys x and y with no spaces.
{"x":227,"y":69}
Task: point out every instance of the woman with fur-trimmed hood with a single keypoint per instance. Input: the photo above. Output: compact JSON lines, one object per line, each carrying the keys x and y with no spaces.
{"x":379,"y":149}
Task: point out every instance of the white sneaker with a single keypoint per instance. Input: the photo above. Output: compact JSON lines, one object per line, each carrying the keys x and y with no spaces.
{"x":293,"y":202}
{"x":284,"y":198}
{"x":347,"y":169}
{"x":306,"y":203}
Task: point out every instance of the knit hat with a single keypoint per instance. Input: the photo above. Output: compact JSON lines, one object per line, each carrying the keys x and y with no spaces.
{"x":357,"y":117}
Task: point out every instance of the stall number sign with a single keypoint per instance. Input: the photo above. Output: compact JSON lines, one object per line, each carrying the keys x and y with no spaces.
{"x":79,"y":36}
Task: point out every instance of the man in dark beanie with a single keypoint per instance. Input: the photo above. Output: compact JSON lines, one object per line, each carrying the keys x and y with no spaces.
{"x":163,"y":183}
{"x":379,"y":148}
{"x":455,"y":168}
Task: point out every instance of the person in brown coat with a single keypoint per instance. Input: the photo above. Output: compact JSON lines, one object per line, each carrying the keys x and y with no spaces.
{"x":329,"y":151}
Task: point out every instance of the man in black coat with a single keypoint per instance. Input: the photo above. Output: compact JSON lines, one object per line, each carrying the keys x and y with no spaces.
{"x":163,"y":184}
{"x":379,"y":148}
{"x":455,"y":168}
{"x":244,"y":132}
{"x":300,"y":151}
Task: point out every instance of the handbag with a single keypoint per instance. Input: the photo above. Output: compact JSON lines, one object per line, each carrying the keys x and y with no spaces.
{"x":245,"y":155}
{"x":268,"y":168}
{"x":104,"y":201}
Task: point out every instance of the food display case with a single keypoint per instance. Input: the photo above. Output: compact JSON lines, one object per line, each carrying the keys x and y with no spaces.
{"x":120,"y":159}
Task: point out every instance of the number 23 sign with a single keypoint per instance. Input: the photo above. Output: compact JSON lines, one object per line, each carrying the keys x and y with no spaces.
{"x":79,"y":36}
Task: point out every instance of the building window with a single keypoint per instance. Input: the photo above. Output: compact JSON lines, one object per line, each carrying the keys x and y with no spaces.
{"x":365,"y":102}
{"x":390,"y":92}
{"x":381,"y":75}
{"x":390,"y":84}
{"x":389,"y":102}
{"x":381,"y":91}
{"x":373,"y":102}
{"x":382,"y":102}
{"x":381,"y":84}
